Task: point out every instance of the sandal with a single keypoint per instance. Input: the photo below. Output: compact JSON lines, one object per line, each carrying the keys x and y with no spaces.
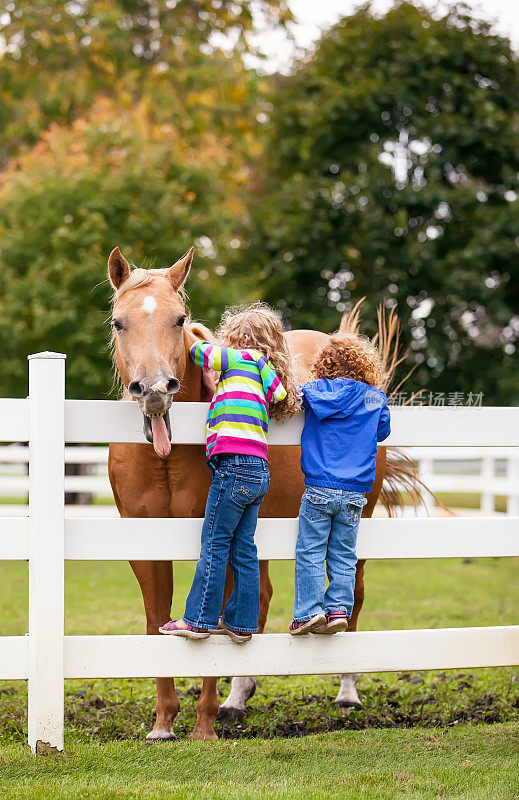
{"x":308,"y":626}
{"x":190,"y":632}
{"x":239,"y":637}
{"x":336,"y":621}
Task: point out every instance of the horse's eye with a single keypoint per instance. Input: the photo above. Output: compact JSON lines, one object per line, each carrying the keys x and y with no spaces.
{"x":180,"y":321}
{"x":118,"y":325}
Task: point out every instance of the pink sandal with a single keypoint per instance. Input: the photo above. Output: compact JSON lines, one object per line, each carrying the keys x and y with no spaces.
{"x":190,"y":632}
{"x":313,"y":625}
{"x":336,"y":621}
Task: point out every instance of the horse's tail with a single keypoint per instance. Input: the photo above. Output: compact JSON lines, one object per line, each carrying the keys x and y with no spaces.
{"x":401,"y":481}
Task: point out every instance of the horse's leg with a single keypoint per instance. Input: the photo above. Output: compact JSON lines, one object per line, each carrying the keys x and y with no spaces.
{"x":242,"y":689}
{"x":347,"y":696}
{"x":156,"y":582}
{"x":206,"y":711}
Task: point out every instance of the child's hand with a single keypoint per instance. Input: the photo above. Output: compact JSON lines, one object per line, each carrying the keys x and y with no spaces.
{"x":209,"y":380}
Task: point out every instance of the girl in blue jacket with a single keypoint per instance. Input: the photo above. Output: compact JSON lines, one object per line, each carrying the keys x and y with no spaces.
{"x":345,"y":416}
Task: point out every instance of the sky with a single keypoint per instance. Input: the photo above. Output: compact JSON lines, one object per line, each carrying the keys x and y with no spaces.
{"x":312,"y":16}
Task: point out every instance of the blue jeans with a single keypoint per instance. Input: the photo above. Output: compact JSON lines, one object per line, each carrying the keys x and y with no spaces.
{"x":328,"y":524}
{"x":240,"y":483}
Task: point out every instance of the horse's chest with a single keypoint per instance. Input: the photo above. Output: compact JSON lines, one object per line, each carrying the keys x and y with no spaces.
{"x":145,"y":485}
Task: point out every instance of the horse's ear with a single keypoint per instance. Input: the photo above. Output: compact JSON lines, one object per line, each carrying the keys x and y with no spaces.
{"x":180,"y":270}
{"x":118,"y":268}
{"x":201,"y":332}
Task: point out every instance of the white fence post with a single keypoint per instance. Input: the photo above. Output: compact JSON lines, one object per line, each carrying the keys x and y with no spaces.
{"x":487,"y":496}
{"x":512,"y":473}
{"x":425,"y":471}
{"x":46,"y":550}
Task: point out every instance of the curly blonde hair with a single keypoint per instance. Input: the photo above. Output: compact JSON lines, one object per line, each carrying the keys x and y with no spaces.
{"x":350,"y":355}
{"x":259,"y":327}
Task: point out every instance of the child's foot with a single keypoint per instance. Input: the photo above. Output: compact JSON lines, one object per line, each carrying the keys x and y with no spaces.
{"x":179,"y":627}
{"x":335,"y":622}
{"x":310,"y":626}
{"x":237,"y":636}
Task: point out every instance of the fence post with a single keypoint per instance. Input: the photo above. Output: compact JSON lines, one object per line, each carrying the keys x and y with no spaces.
{"x":425,"y":471}
{"x":46,"y":550}
{"x":512,"y":474}
{"x":487,"y":504}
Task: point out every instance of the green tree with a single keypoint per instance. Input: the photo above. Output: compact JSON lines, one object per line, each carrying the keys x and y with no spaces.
{"x":121,"y":122}
{"x":112,"y":178}
{"x":183,"y":57}
{"x":392,"y":172}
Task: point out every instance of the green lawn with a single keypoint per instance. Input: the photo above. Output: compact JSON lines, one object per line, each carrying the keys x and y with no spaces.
{"x":419,"y":735}
{"x":462,"y":764}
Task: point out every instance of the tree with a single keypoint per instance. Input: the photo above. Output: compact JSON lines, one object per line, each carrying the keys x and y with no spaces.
{"x":111,"y":178}
{"x":125,"y":122}
{"x":392,"y":172}
{"x":183,"y":57}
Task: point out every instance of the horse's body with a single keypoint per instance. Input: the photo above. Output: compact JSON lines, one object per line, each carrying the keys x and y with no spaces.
{"x":146,"y":484}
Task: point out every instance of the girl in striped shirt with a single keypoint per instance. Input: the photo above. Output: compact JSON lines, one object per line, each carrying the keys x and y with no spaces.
{"x":256,"y":382}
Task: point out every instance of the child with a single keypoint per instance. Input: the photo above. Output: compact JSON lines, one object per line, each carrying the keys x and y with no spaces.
{"x":345,"y":417}
{"x":255,"y":373}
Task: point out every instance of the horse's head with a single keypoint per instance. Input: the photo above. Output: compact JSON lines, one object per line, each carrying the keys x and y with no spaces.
{"x":148,"y":319}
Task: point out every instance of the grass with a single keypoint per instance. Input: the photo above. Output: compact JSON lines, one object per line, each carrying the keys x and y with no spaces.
{"x":419,"y":735}
{"x":103,"y":597}
{"x":462,"y":763}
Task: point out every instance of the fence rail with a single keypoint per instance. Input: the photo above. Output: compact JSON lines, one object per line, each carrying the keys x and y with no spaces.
{"x":115,"y":539}
{"x":46,"y":538}
{"x":470,"y":470}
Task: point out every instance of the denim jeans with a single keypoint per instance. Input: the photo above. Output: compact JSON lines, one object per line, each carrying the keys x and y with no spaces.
{"x":240,"y":483}
{"x":328,"y":524}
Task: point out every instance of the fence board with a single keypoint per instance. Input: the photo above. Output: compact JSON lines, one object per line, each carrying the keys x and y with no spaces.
{"x":121,"y":421}
{"x":113,"y":539}
{"x":14,"y":420}
{"x":14,"y":539}
{"x":14,"y":657}
{"x":282,"y":654}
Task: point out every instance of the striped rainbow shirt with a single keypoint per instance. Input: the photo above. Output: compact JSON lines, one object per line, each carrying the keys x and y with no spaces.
{"x":238,"y":417}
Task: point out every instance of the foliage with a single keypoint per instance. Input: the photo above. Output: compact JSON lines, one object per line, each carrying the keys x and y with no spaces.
{"x":112,"y":178}
{"x":121,"y":122}
{"x":393,"y":173}
{"x":59,"y":58}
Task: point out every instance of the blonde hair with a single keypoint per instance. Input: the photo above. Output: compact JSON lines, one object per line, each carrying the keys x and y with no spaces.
{"x":259,"y":327}
{"x":350,"y":355}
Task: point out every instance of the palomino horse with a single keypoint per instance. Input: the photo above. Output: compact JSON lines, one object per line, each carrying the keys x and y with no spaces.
{"x":152,"y":336}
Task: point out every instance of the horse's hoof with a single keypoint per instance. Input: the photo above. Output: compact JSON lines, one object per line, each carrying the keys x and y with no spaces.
{"x":160,"y":736}
{"x":200,"y":736}
{"x":229,"y":714}
{"x":347,"y":705}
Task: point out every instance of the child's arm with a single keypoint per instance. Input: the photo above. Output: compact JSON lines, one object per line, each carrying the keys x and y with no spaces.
{"x":384,"y":424}
{"x":272,"y":386}
{"x":208,"y":356}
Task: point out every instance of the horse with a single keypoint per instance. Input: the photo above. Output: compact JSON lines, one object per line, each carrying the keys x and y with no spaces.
{"x":152,"y":336}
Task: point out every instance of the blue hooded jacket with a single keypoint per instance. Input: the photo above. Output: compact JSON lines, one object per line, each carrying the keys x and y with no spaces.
{"x":344,"y":420}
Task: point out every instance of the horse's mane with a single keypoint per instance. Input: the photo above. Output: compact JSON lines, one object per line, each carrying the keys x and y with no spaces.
{"x":400,"y":478}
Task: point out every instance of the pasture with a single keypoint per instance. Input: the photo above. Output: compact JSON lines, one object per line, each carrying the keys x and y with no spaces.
{"x":103,"y":597}
{"x":420,"y":734}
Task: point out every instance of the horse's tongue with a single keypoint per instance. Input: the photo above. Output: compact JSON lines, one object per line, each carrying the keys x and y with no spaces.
{"x":161,"y":443}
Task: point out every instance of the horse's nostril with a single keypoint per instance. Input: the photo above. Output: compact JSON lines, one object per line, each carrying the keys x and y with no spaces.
{"x":173,"y":385}
{"x":136,"y":389}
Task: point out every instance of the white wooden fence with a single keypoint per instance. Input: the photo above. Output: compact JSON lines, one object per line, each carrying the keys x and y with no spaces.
{"x":470,"y":470}
{"x":46,"y":657}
